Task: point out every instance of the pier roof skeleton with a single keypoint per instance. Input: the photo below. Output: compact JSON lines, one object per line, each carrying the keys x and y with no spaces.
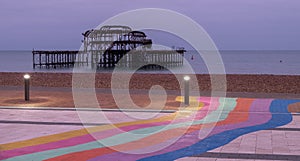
{"x":109,"y":44}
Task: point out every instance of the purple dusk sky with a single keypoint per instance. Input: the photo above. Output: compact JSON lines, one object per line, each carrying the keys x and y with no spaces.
{"x":232,"y":24}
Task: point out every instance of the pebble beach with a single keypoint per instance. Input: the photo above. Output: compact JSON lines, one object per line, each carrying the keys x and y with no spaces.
{"x":235,"y":82}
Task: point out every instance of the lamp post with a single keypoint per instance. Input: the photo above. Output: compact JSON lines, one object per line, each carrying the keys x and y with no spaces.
{"x":186,"y":90}
{"x":26,"y":89}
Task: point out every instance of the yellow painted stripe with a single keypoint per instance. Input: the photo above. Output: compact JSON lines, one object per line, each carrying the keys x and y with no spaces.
{"x":85,"y":131}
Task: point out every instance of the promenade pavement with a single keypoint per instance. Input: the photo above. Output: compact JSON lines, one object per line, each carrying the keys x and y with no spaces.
{"x":280,"y":143}
{"x":256,"y":127}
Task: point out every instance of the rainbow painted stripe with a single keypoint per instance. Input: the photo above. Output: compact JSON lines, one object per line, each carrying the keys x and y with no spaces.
{"x":185,"y":133}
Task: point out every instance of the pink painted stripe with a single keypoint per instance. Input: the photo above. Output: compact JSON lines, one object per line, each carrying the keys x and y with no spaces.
{"x":104,"y":134}
{"x":254,"y":119}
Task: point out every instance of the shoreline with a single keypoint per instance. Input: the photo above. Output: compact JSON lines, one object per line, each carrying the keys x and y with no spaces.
{"x":261,"y":83}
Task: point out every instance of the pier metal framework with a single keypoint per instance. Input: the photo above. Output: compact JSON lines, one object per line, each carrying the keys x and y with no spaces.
{"x":112,"y":46}
{"x":58,"y":59}
{"x":120,"y":46}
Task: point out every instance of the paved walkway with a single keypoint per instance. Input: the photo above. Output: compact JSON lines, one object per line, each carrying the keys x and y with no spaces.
{"x":18,"y":124}
{"x":281,"y":143}
{"x":219,"y":129}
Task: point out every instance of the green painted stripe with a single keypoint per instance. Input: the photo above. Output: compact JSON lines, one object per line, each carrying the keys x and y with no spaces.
{"x":215,"y":116}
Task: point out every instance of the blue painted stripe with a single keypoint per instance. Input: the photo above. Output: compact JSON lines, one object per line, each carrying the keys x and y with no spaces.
{"x":280,"y":117}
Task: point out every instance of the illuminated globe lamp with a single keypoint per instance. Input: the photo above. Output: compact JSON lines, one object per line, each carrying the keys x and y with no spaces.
{"x":26,"y":76}
{"x":186,"y":78}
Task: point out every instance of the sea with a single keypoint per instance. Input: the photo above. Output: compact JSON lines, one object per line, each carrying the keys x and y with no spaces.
{"x":233,"y":62}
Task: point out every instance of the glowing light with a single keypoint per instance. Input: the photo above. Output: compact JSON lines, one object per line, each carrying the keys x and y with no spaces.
{"x":26,"y":76}
{"x":186,"y":78}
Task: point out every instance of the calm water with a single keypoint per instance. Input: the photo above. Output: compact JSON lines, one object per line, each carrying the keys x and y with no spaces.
{"x":235,"y":62}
